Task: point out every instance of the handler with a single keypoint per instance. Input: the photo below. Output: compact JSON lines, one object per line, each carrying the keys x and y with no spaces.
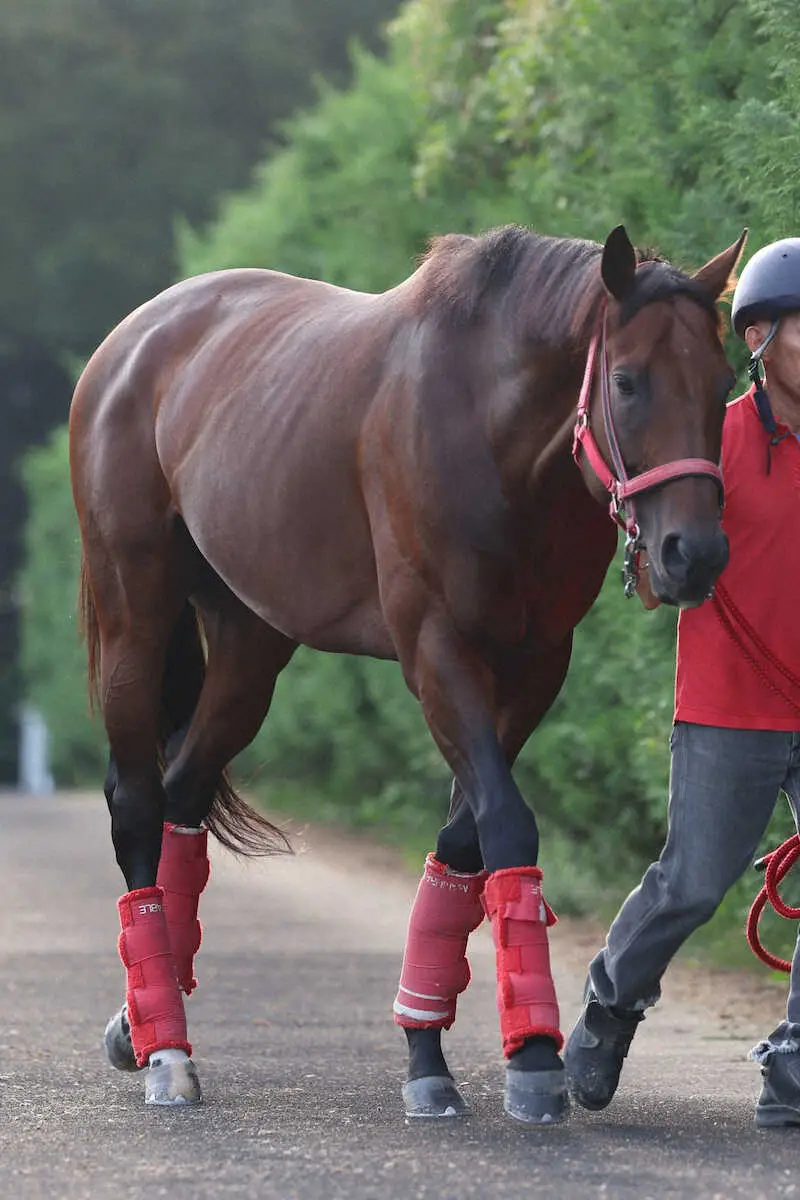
{"x":736,"y":739}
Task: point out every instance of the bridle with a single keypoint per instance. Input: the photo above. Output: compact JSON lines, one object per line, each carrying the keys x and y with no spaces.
{"x":620,"y":486}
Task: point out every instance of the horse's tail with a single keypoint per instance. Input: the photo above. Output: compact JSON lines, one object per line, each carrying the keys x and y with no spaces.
{"x":232,"y":820}
{"x":91,"y":634}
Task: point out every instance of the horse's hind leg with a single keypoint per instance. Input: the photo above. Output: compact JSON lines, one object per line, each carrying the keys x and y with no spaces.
{"x":137,"y":607}
{"x":245,"y":656}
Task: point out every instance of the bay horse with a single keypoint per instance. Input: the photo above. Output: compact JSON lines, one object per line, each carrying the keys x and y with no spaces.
{"x":261,"y":461}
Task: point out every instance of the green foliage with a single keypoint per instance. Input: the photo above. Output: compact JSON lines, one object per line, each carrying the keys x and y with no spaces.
{"x":118,"y":118}
{"x":338,"y":203}
{"x":52,"y":657}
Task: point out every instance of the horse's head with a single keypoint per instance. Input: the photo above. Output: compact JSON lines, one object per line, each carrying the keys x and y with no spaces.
{"x":667,"y":381}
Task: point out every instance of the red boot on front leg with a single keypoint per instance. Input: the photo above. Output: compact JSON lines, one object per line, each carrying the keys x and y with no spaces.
{"x":153,"y":1003}
{"x":526,"y":996}
{"x":435,"y":971}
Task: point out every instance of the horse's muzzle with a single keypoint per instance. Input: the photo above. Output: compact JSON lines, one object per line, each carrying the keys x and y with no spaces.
{"x":689,"y":567}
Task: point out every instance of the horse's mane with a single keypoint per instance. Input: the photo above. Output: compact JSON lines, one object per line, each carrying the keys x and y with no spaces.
{"x":555,"y":281}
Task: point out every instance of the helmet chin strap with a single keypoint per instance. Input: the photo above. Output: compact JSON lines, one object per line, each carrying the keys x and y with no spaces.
{"x":755,"y":369}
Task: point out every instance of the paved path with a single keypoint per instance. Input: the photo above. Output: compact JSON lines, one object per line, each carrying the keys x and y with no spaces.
{"x":301,"y":1065}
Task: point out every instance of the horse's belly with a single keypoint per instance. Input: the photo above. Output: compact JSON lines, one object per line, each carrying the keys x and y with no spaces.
{"x":306,"y":568}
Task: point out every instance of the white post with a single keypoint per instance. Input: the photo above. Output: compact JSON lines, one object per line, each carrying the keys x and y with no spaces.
{"x":34,"y":764}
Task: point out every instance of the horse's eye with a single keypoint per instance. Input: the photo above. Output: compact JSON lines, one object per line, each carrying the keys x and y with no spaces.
{"x":624,"y":383}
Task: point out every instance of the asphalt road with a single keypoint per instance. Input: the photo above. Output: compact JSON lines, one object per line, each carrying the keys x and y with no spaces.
{"x":301,"y":1064}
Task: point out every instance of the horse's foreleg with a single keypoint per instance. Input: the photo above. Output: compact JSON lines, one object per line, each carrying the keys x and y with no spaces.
{"x":459,"y":693}
{"x":435,"y":971}
{"x":435,"y":968}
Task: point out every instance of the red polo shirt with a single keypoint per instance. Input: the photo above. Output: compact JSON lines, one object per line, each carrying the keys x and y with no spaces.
{"x":738,"y":659}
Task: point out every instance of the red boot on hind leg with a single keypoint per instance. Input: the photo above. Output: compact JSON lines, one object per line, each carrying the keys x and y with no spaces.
{"x":183,"y":873}
{"x":154,"y":1006}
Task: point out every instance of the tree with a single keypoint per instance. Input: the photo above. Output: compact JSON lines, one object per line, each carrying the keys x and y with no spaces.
{"x":118,"y":118}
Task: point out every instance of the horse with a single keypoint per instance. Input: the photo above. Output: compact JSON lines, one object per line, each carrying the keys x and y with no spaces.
{"x":261,"y":461}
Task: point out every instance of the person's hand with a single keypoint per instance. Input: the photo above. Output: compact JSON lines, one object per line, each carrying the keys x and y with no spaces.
{"x":643,"y":589}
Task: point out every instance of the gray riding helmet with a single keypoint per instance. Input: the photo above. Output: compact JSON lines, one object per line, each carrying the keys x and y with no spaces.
{"x":769,"y":285}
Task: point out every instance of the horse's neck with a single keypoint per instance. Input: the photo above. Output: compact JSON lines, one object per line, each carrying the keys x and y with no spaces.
{"x":531,"y":414}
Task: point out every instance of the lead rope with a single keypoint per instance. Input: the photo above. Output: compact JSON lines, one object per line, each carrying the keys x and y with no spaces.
{"x":777,"y":864}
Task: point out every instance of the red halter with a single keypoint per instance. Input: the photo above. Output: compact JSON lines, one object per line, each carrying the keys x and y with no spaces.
{"x":620,"y":486}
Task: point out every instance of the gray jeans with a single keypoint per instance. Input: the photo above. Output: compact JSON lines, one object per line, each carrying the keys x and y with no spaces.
{"x":724,"y":784}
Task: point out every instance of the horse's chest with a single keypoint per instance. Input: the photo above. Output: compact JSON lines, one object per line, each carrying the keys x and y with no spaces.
{"x":567,"y":566}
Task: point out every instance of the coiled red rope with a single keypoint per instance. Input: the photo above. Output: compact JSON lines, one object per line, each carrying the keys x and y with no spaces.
{"x":777,"y":864}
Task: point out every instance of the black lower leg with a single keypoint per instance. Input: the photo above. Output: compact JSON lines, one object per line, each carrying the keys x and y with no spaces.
{"x":425,"y":1057}
{"x":457,"y":845}
{"x":110,"y":784}
{"x":190,"y":794}
{"x":137,"y":816}
{"x":537,"y":1054}
{"x":506,"y":827}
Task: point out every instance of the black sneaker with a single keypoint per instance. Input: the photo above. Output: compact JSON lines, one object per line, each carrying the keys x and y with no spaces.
{"x":779,"y":1103}
{"x":596,"y":1050}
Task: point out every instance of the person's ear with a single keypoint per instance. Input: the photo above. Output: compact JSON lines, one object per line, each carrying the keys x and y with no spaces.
{"x":756,"y":334}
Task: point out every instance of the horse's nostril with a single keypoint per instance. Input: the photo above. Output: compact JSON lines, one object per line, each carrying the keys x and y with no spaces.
{"x":673,"y":555}
{"x":688,"y":559}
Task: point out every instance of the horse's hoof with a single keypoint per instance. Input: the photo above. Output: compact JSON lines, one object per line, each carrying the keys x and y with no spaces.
{"x":433,"y":1096}
{"x":117,"y":1041}
{"x":171,"y":1083}
{"x":537,"y":1097}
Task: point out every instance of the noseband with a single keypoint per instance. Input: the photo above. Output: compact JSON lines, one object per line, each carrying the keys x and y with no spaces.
{"x":621,"y":486}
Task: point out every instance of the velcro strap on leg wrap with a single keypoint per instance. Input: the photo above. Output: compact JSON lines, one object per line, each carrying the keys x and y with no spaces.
{"x":182,"y":874}
{"x":446,"y":909}
{"x":155,"y":1005}
{"x":526,"y":995}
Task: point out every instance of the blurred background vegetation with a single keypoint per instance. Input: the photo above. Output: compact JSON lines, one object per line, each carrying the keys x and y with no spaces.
{"x":143,"y":142}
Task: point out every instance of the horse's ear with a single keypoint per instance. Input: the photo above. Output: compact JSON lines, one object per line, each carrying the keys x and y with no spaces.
{"x":716,"y":275}
{"x":618,"y":269}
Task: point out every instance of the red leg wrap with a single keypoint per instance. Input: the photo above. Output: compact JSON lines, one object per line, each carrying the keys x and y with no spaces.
{"x":155,"y":1005}
{"x":182,"y":874}
{"x":526,"y":995}
{"x":435,"y":969}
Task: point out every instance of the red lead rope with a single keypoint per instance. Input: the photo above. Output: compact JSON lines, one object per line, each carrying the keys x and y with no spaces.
{"x":777,"y":864}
